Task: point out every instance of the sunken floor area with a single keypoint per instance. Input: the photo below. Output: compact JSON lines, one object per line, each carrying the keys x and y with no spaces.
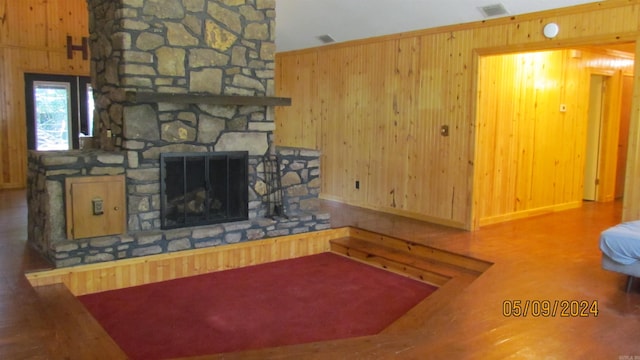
{"x":546,"y":258}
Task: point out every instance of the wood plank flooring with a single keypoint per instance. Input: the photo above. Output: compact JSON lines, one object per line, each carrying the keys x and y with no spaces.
{"x":550,"y":257}
{"x":47,"y":322}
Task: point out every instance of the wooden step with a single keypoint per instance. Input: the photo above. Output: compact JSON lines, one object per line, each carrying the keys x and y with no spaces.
{"x":401,"y":256}
{"x":394,"y":260}
{"x":423,"y":251}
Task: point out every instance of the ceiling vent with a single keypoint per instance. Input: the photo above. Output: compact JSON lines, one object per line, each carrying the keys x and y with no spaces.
{"x":493,"y":10}
{"x":327,"y":39}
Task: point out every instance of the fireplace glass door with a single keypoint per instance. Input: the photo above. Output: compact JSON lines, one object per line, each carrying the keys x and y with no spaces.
{"x":203,"y":188}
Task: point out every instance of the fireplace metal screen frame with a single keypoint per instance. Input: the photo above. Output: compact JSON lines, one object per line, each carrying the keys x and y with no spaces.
{"x":242,"y":198}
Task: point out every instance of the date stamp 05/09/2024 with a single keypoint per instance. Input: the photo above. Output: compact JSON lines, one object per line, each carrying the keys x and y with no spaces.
{"x":550,"y":308}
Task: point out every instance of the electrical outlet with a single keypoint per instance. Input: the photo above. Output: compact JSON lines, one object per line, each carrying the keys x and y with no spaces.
{"x":357,"y":184}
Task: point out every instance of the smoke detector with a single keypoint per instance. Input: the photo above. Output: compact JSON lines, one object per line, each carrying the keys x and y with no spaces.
{"x":494,"y":10}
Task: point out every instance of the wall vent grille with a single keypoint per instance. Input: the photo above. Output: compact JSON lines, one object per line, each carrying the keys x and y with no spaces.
{"x":326,"y":39}
{"x":493,"y":10}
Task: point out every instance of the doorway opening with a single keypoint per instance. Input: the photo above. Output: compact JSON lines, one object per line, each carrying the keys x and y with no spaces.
{"x":532,"y":126}
{"x":59,"y":111}
{"x":597,"y":91}
{"x":610,"y":95}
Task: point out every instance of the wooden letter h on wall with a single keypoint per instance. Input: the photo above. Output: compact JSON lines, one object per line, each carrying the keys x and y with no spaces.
{"x":71,"y":48}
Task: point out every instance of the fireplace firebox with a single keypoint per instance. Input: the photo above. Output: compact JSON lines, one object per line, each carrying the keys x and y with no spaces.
{"x":203,"y":188}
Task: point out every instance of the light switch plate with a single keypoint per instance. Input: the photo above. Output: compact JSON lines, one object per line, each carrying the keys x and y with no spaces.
{"x":98,"y":206}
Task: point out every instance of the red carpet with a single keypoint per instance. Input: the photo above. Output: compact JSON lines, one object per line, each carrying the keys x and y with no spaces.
{"x":313,"y":298}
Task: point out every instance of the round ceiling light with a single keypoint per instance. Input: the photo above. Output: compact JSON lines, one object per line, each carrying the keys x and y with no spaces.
{"x":551,"y":30}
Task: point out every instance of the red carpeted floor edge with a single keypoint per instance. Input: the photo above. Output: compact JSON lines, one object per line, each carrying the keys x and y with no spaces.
{"x":312,"y":298}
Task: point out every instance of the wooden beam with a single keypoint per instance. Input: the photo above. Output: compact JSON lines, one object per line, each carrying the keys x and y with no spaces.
{"x":141,"y":97}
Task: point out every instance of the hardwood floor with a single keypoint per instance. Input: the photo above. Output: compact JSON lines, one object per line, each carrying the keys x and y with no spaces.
{"x":30,"y":319}
{"x":550,"y":257}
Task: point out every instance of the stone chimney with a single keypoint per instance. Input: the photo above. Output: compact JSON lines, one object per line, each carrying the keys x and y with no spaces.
{"x":176,"y":76}
{"x":181,"y":48}
{"x":223,"y":47}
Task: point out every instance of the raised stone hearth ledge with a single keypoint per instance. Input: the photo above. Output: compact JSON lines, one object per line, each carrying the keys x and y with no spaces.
{"x":48,"y":171}
{"x":86,"y":251}
{"x":207,"y":99}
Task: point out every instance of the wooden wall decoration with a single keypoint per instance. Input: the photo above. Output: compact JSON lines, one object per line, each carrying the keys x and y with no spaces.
{"x":374,"y":108}
{"x":83,"y":47}
{"x":39,"y":47}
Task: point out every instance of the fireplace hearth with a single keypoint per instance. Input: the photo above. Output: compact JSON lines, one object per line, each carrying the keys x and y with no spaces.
{"x":300,"y":187}
{"x":203,"y":188}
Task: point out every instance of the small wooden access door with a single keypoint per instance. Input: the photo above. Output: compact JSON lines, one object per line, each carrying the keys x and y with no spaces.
{"x":95,"y":206}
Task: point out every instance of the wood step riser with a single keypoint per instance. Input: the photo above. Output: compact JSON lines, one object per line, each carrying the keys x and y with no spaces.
{"x":465,"y":262}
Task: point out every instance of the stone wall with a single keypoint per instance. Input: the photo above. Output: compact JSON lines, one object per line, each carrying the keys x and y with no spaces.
{"x":189,"y":46}
{"x":300,"y":179}
{"x":47,"y":224}
{"x":194,"y":47}
{"x":223,"y":47}
{"x":46,"y":189}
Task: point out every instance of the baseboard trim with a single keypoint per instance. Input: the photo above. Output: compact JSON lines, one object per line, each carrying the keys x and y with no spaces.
{"x":529,"y":213}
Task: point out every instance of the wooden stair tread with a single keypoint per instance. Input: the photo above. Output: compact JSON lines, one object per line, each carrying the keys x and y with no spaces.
{"x":424,"y":251}
{"x":401,"y":262}
{"x":391,"y":265}
{"x":400,"y":255}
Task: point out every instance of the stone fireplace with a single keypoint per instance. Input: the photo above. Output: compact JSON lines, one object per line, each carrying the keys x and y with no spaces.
{"x":176,"y":77}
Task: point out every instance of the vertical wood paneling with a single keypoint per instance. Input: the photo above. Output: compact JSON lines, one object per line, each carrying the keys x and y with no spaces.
{"x":33,"y":36}
{"x":5,"y":176}
{"x":610,"y":133}
{"x":304,"y":123}
{"x":383,"y":101}
{"x":623,"y":136}
{"x":631,"y":209}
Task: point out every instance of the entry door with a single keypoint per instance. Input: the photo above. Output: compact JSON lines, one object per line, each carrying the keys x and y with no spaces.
{"x":59,"y":110}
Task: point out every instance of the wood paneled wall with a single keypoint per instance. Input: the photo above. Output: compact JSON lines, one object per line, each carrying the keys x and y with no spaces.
{"x":377,"y":123}
{"x":33,"y":38}
{"x":381,"y":103}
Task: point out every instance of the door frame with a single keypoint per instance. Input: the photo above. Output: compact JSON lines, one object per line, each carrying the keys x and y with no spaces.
{"x":629,"y":212}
